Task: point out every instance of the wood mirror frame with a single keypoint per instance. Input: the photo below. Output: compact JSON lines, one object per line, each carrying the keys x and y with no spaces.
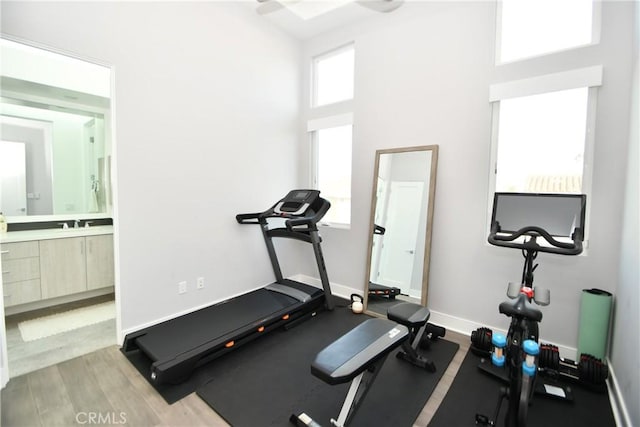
{"x":415,"y":173}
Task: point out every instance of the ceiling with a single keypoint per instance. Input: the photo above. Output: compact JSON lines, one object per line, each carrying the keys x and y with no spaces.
{"x":342,"y":14}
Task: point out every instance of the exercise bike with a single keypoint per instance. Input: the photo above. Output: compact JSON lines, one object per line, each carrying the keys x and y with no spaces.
{"x":559,"y":230}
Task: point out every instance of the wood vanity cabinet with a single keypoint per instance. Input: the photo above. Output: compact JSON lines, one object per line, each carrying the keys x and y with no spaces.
{"x":38,"y":270}
{"x":76,"y":264}
{"x":100,"y":269}
{"x":20,"y":273}
{"x":63,"y":266}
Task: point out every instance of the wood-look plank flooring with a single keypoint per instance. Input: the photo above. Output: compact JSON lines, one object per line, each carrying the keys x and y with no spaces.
{"x":103,"y":388}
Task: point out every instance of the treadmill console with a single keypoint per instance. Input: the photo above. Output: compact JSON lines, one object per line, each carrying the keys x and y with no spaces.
{"x":296,"y":202}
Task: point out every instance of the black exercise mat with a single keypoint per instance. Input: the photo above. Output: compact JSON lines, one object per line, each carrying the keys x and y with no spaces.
{"x":474,"y":391}
{"x":174,"y":392}
{"x":264,"y":383}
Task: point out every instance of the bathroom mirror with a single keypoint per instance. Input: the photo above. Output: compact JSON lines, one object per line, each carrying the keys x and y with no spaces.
{"x":54,"y":122}
{"x":401,"y":223}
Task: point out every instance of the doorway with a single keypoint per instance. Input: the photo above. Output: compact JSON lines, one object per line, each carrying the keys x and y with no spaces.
{"x":58,"y":108}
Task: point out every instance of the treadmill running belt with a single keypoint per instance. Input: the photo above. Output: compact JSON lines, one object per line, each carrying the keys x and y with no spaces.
{"x":184,"y":333}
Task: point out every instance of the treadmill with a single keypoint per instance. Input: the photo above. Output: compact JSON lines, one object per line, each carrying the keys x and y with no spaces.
{"x":377,"y":289}
{"x":176,"y":347}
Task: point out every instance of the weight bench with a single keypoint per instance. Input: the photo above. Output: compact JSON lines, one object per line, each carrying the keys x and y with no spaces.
{"x":415,"y":317}
{"x":358,"y":357}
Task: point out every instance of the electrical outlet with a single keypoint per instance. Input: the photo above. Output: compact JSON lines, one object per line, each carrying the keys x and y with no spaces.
{"x":182,"y":287}
{"x":200,"y":282}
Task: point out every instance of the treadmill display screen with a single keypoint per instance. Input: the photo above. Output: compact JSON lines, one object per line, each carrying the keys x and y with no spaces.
{"x":301,"y":195}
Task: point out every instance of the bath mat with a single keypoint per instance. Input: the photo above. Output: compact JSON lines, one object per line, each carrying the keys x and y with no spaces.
{"x":58,"y":323}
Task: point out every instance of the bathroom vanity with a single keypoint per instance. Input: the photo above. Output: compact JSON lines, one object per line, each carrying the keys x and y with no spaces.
{"x":47,"y":267}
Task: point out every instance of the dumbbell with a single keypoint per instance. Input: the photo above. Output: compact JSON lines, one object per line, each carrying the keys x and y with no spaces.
{"x":481,"y":342}
{"x":589,"y":370}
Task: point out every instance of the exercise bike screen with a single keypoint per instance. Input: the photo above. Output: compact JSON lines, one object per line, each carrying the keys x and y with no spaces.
{"x":558,"y":214}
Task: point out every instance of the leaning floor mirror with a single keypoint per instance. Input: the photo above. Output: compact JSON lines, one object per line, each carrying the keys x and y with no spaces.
{"x":401,"y":224}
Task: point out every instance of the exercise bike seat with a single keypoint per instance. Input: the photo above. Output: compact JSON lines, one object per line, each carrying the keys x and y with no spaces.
{"x":520,"y":307}
{"x":358,"y":349}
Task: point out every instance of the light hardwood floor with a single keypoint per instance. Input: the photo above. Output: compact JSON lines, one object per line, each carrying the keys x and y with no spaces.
{"x":104,"y":387}
{"x":28,"y":356}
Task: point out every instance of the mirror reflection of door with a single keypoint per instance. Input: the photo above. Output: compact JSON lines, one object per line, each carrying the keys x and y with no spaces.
{"x":13,"y":178}
{"x":398,"y":249}
{"x":404,"y":186}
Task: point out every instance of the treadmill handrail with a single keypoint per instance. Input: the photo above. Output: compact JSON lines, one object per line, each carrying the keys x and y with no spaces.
{"x":309,"y":220}
{"x":247,"y":217}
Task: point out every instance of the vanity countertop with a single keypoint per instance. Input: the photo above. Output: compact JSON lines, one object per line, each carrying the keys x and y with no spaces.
{"x":54,"y":233}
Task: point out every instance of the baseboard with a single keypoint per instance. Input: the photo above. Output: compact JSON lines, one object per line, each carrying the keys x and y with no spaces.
{"x":465,"y":327}
{"x":337,"y":289}
{"x":618,"y":406}
{"x":453,"y":323}
{"x":141,"y":326}
{"x":37,"y":305}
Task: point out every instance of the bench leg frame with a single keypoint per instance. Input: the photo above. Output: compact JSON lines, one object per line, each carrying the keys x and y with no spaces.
{"x":359,"y":388}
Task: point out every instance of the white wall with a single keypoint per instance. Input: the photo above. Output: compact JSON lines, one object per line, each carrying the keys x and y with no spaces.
{"x":422,"y":77}
{"x":206,"y":99}
{"x":625,"y":346}
{"x":207,"y":118}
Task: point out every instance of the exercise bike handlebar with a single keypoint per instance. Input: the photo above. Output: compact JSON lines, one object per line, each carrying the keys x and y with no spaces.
{"x":557,"y":247}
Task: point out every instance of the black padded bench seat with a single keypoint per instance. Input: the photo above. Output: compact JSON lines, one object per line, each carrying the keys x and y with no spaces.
{"x":358,"y":357}
{"x":409,"y":314}
{"x":415,"y":317}
{"x":355,"y":351}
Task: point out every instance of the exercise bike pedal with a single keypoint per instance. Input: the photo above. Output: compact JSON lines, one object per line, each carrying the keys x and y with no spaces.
{"x":553,"y":390}
{"x":483,"y":420}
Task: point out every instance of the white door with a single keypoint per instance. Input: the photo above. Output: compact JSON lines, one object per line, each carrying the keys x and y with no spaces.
{"x":399,"y":247}
{"x":13,"y":190}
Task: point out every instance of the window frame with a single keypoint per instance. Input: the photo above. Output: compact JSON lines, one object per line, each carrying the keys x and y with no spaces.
{"x":596,"y":28}
{"x":591,"y":78}
{"x":314,"y":73}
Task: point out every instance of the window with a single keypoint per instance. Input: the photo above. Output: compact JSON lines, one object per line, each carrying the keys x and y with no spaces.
{"x":333,"y":171}
{"x":542,"y":137}
{"x":541,"y":142}
{"x":331,"y":130}
{"x":333,"y":76}
{"x":535,"y":27}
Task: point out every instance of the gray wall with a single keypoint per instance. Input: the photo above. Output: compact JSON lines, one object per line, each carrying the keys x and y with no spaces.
{"x":625,"y":345}
{"x":208,"y":125}
{"x":206,"y":113}
{"x":422,"y":77}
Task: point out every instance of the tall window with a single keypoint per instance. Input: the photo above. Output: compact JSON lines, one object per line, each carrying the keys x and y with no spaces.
{"x":333,"y":171}
{"x":543,"y":127}
{"x":541,"y":142}
{"x":331,"y":130}
{"x":333,"y":76}
{"x":536,"y":27}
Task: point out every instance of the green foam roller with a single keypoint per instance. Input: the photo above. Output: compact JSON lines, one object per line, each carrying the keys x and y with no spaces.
{"x":595,"y":312}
